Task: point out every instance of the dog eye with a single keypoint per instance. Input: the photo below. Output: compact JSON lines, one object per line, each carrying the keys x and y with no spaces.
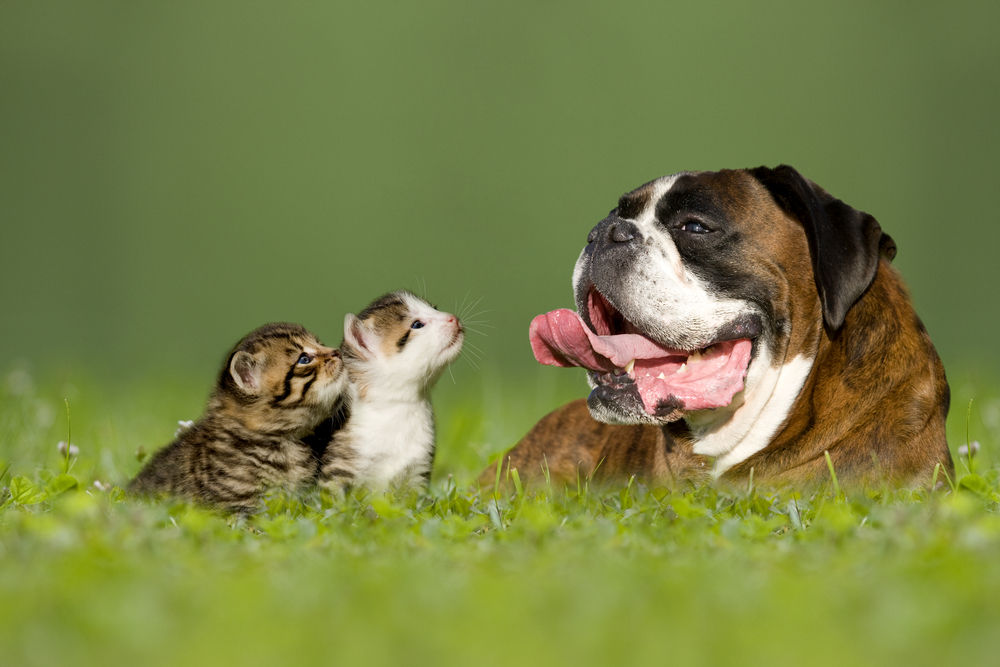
{"x":417,"y":324}
{"x":304,"y":359}
{"x":694,"y":227}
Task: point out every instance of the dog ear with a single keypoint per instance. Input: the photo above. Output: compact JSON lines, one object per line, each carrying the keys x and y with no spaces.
{"x":845,"y":244}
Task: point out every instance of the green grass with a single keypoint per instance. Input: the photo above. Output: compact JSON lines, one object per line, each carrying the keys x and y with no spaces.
{"x":460,"y":576}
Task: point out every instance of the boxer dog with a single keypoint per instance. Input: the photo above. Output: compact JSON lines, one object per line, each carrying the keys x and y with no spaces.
{"x":738,"y":323}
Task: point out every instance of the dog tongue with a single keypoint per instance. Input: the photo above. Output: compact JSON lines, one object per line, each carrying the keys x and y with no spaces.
{"x":661,"y":374}
{"x":561,"y":338}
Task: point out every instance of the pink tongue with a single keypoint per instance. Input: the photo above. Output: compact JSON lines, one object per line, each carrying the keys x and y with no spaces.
{"x":561,"y":338}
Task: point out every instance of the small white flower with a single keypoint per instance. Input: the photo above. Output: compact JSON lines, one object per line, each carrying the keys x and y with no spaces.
{"x":63,"y":448}
{"x":183,"y":425}
{"x":101,"y":486}
{"x":963,"y":450}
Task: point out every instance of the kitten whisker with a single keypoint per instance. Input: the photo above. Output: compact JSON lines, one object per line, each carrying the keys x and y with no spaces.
{"x":470,"y":310}
{"x":475,"y":330}
{"x":478,"y":323}
{"x":461,"y":308}
{"x":472,"y":305}
{"x":472,"y":321}
{"x":474,"y":311}
{"x":473,"y":361}
{"x":421,"y":282}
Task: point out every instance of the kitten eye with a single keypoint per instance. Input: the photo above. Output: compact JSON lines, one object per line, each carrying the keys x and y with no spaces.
{"x":417,"y":324}
{"x":304,"y":359}
{"x":694,"y":227}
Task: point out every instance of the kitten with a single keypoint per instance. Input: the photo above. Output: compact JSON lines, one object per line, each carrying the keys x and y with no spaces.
{"x":277,"y":385}
{"x":394,"y":352}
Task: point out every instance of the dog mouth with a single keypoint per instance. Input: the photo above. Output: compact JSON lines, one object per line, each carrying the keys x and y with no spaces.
{"x":623,"y":359}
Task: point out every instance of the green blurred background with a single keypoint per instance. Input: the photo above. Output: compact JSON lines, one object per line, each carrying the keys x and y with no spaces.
{"x":173,"y":174}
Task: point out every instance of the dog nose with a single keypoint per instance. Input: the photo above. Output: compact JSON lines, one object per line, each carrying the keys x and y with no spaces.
{"x":620,"y":233}
{"x":613,"y":234}
{"x":612,"y":229}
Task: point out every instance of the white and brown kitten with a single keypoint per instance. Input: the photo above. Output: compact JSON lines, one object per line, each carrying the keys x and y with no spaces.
{"x":394,"y":351}
{"x":275,"y":387}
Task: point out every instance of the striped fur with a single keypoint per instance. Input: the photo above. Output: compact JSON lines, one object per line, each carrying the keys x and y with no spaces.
{"x":276,"y":386}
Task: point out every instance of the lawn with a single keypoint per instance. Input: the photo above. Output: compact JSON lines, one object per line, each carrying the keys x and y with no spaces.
{"x":466,"y":576}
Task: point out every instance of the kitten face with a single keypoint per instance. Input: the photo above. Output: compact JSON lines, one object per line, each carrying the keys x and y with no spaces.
{"x":401,"y":339}
{"x":283,"y":379}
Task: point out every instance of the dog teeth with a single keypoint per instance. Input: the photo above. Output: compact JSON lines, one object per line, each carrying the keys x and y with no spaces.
{"x":661,"y":376}
{"x":695,"y":358}
{"x":682,"y":369}
{"x":630,"y":366}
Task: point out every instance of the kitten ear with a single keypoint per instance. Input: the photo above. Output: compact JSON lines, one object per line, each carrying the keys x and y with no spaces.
{"x":246,"y":372}
{"x":357,"y":337}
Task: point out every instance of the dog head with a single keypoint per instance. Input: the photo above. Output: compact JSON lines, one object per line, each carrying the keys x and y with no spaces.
{"x":696,"y":283}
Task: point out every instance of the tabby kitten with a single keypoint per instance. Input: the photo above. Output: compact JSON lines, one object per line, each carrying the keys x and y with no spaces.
{"x":394,"y":351}
{"x":277,"y":385}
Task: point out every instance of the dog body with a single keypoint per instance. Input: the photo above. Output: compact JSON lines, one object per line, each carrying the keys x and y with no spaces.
{"x":736,"y":323}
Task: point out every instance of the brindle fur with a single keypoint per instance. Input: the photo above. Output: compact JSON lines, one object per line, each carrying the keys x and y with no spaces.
{"x":568,"y":446}
{"x":247,"y":441}
{"x":876,"y":398}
